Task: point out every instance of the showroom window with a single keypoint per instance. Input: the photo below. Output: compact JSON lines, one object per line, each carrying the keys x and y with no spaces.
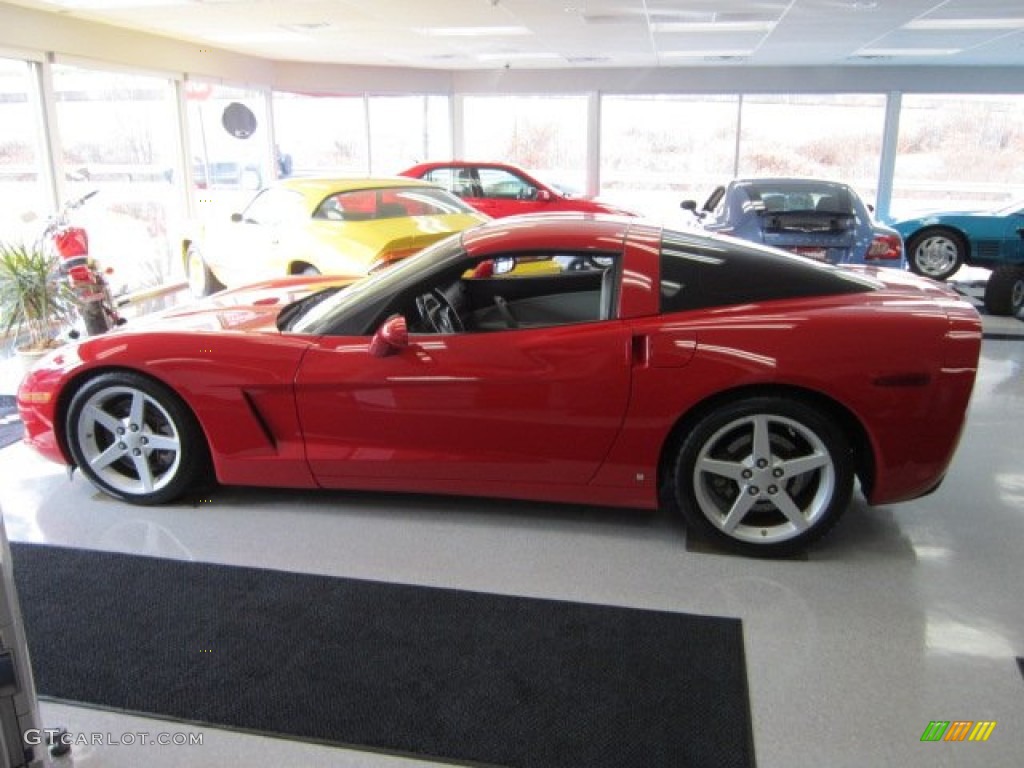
{"x":829,"y":136}
{"x":229,"y":142}
{"x":24,"y":201}
{"x":958,"y":151}
{"x":359,"y":135}
{"x":321,"y":135}
{"x":545,"y":135}
{"x":118,"y":136}
{"x":406,"y":130}
{"x":657,"y":151}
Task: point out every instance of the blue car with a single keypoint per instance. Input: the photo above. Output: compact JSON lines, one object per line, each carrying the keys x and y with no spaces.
{"x":823,"y":220}
{"x":940,"y":243}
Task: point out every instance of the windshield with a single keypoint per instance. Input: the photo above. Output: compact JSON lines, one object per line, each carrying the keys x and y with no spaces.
{"x":353,"y":310}
{"x":1016,"y":206}
{"x":797,"y":195}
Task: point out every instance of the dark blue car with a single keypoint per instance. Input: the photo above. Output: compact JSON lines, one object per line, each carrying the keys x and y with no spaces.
{"x":823,"y":220}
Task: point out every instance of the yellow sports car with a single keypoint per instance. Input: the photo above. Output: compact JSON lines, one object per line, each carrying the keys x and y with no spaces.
{"x":309,"y":226}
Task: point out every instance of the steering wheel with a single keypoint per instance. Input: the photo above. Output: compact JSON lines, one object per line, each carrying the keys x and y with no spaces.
{"x":438,"y":313}
{"x":505,"y":311}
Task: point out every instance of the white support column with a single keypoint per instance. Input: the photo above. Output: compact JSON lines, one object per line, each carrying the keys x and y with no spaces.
{"x":456,"y":115}
{"x":593,"y":157}
{"x":270,"y":150}
{"x":887,"y":163}
{"x":183,"y":155}
{"x":739,"y":133}
{"x":53,"y":156}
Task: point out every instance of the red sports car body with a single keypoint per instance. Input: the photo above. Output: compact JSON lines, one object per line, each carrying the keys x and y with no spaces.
{"x":500,"y":189}
{"x":745,"y":386}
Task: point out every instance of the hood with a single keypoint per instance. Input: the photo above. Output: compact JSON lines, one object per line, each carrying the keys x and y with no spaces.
{"x":936,"y":218}
{"x":251,"y":308}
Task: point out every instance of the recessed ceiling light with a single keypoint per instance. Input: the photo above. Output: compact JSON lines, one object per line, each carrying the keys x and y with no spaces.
{"x":473,"y":31}
{"x":965,"y":24}
{"x":713,"y":26}
{"x":282,"y":36}
{"x":516,"y":56}
{"x":873,"y":52}
{"x":728,"y":53}
{"x":308,"y":26}
{"x":101,"y":5}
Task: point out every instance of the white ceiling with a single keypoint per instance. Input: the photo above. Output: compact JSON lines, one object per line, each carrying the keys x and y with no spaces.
{"x":566,"y":34}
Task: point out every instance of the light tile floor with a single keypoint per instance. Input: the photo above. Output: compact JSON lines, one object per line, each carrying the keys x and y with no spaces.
{"x":906,"y":614}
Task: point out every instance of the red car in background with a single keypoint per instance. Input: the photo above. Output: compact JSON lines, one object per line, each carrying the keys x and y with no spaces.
{"x":500,"y":189}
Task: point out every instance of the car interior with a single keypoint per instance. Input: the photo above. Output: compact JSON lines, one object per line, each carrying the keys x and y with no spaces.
{"x":516,"y":292}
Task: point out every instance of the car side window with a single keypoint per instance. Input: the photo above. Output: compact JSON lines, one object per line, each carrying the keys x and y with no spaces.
{"x":443,"y":177}
{"x":518,"y":292}
{"x":500,"y":184}
{"x":275,"y":206}
{"x":699,"y":275}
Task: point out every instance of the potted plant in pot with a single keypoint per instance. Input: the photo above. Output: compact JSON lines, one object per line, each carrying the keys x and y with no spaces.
{"x":35,"y":303}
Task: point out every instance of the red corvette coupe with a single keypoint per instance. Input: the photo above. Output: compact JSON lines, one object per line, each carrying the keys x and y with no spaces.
{"x":744,"y":386}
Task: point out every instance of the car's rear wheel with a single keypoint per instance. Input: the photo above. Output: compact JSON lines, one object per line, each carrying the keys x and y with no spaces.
{"x":1004,"y":291}
{"x":764,"y":476}
{"x":936,"y":253}
{"x":201,"y":281}
{"x":135,"y":439}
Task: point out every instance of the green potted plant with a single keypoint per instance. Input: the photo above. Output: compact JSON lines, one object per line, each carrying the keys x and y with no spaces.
{"x":34,"y":302}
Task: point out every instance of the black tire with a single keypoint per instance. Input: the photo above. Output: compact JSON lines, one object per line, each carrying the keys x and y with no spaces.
{"x":783,"y":466}
{"x":936,"y":253}
{"x":201,"y":281}
{"x":135,"y":440}
{"x":1004,"y":291}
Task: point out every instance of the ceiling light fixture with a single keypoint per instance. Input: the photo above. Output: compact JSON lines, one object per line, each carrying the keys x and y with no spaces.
{"x":519,"y":56}
{"x":964,"y":24}
{"x":886,"y":52}
{"x":473,"y":31}
{"x":112,"y":5}
{"x":712,"y":26}
{"x":726,"y":53}
{"x":243,"y":38}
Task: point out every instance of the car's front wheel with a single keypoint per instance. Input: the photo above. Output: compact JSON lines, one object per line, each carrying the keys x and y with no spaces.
{"x":135,"y":439}
{"x":936,"y":253}
{"x":1004,"y":291}
{"x":201,"y":280}
{"x":764,"y":475}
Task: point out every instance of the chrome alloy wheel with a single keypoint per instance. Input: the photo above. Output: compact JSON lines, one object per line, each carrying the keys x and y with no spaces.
{"x":129,"y":440}
{"x":937,"y":256}
{"x":764,"y":478}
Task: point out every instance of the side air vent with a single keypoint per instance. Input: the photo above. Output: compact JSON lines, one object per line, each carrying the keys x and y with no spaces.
{"x":987,"y":249}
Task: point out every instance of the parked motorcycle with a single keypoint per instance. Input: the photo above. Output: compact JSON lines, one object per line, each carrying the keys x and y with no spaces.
{"x":88,"y":283}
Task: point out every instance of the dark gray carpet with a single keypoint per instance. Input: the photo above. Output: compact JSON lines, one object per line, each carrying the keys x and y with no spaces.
{"x":10,"y":425}
{"x":449,"y":675}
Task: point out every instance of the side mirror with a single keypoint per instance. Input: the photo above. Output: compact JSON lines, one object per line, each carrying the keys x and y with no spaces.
{"x":392,"y":337}
{"x":236,"y":218}
{"x":689,"y":205}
